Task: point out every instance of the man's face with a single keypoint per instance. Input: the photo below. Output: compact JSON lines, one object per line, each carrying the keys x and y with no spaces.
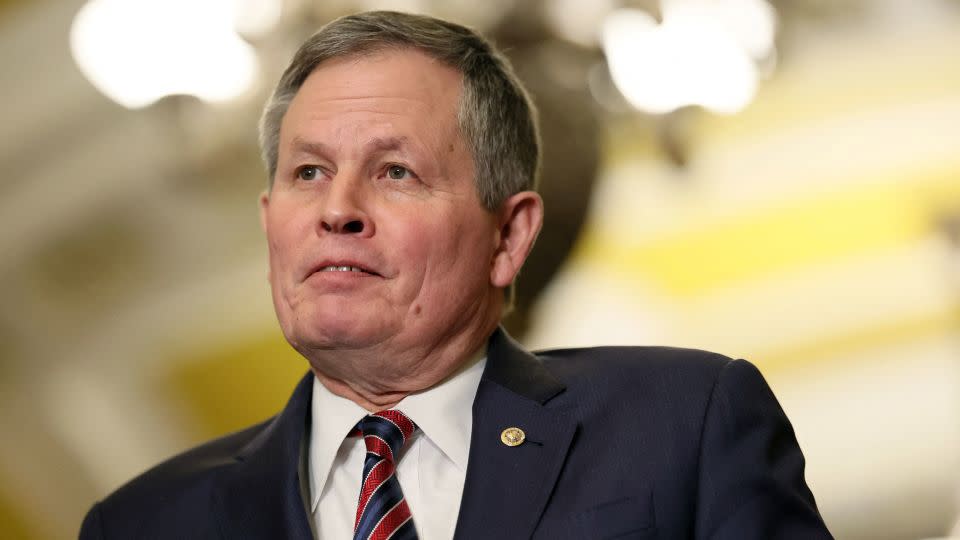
{"x":375,"y":229}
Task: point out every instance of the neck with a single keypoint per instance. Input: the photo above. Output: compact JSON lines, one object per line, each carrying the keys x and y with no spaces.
{"x":379,"y":379}
{"x":371,"y":401}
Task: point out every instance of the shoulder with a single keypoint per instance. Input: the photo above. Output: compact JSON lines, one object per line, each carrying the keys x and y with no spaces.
{"x":168,"y":494}
{"x":620,"y":365}
{"x":188,"y":468}
{"x":673,"y":381}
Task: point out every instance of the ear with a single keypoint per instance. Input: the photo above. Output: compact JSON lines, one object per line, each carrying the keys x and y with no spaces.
{"x":520,"y":218}
{"x":264,"y":205}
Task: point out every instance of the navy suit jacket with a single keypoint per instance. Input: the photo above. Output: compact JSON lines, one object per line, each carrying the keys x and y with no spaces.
{"x":621,"y":442}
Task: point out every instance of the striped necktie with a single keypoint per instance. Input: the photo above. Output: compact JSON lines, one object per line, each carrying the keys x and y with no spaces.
{"x":382,"y":512}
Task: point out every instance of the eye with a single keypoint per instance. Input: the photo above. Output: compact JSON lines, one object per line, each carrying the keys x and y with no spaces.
{"x":397,"y":172}
{"x":308,"y":173}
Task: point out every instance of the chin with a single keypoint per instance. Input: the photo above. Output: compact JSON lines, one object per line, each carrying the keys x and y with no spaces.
{"x":336,"y":331}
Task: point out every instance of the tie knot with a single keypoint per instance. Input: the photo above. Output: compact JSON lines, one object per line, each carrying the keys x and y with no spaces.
{"x":386,"y":432}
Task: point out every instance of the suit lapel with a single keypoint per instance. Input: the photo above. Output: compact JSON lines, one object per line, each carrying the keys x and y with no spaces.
{"x":259,"y":496}
{"x":507,"y":488}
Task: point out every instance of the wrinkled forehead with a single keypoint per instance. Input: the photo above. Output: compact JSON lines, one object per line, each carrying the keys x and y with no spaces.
{"x":392,"y":93}
{"x":401,"y":73}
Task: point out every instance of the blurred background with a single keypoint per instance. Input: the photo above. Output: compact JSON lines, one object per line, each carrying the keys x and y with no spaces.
{"x":772,"y":180}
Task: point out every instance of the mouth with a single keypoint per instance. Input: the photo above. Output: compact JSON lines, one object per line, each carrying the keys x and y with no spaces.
{"x":343,"y":267}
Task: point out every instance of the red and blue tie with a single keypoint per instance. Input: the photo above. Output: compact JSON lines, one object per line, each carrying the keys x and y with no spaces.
{"x":382,"y":512}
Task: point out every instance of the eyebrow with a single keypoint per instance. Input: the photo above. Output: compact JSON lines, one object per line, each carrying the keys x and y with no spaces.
{"x":386,"y":144}
{"x":299,"y":145}
{"x":376,"y":144}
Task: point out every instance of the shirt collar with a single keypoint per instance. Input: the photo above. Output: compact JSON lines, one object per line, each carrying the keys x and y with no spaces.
{"x":331,"y":420}
{"x":444,"y":414}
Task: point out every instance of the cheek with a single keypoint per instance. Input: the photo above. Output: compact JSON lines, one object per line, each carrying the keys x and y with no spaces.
{"x":459,"y":253}
{"x":283,"y":243}
{"x":275,"y":246}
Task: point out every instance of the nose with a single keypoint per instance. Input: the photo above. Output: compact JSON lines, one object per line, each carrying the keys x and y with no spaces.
{"x":343,"y":210}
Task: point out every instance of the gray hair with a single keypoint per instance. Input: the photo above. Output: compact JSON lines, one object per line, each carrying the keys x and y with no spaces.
{"x":496,"y":116}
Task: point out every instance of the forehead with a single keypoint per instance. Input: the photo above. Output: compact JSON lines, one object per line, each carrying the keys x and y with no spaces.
{"x":397,"y":85}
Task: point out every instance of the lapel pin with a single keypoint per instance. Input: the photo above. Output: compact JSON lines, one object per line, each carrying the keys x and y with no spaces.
{"x":512,"y":436}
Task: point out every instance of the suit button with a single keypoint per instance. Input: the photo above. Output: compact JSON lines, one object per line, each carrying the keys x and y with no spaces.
{"x":513,"y":436}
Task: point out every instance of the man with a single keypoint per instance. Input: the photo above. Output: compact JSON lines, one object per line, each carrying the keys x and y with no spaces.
{"x":402,"y":154}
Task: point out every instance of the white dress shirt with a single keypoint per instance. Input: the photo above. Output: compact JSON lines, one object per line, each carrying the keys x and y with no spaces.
{"x":431,"y":469}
